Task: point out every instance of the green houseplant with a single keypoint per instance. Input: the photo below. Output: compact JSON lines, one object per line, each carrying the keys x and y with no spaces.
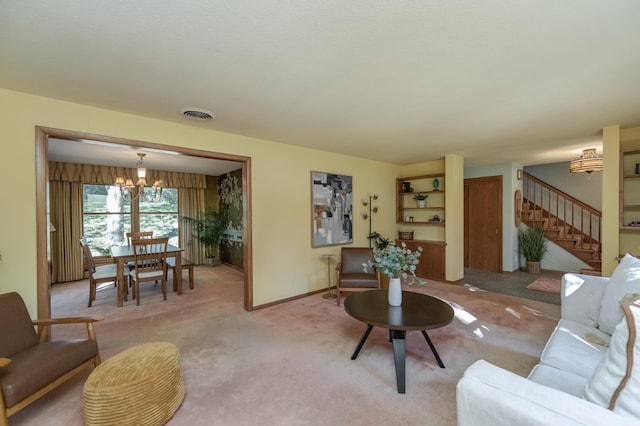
{"x":379,"y":241}
{"x":532,"y":244}
{"x":421,"y":199}
{"x":208,"y":229}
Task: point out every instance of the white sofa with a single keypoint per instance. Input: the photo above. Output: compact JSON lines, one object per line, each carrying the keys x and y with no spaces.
{"x":577,"y":376}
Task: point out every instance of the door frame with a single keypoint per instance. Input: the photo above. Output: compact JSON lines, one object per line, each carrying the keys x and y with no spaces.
{"x":496,"y":178}
{"x":42,"y":179}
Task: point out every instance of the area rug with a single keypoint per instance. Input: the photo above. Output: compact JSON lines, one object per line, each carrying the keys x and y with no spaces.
{"x":546,"y":284}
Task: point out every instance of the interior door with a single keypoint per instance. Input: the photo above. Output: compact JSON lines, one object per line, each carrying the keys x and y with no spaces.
{"x":483,"y":223}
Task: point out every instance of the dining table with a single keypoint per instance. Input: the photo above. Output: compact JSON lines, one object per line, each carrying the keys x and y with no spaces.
{"x":123,"y":254}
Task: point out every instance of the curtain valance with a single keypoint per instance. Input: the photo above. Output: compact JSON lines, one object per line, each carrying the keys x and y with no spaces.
{"x":106,"y":175}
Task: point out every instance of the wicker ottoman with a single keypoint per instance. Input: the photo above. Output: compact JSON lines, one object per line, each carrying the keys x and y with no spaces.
{"x":139,"y":386}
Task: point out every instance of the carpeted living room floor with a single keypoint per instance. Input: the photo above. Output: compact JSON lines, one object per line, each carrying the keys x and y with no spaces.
{"x":290,"y":364}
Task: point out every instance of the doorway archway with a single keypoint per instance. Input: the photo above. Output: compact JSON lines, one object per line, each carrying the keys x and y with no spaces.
{"x":42,"y":177}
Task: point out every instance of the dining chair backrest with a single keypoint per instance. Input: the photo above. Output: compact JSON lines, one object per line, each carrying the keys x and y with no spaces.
{"x":88,"y":257}
{"x":138,"y":235}
{"x":149,"y":255}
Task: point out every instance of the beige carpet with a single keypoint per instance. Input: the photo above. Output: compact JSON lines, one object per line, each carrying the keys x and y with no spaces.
{"x":546,"y":284}
{"x":290,"y":364}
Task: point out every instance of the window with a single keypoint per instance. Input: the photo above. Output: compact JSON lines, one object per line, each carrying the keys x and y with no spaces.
{"x":108,"y":215}
{"x":159,"y":214}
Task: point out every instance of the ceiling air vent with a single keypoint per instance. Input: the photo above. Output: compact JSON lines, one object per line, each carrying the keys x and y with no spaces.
{"x":197,"y":114}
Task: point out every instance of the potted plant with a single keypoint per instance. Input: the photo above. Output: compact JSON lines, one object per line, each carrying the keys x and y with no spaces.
{"x":208,"y":229}
{"x":532,"y":244}
{"x":379,"y":241}
{"x":395,"y":262}
{"x":422,"y":200}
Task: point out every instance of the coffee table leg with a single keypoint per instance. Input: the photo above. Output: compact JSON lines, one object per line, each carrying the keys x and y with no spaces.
{"x":433,"y":349}
{"x":399,"y":356}
{"x":364,"y":339}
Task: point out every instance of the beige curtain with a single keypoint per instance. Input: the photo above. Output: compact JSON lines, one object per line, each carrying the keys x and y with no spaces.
{"x":66,"y":217}
{"x":190,"y":204}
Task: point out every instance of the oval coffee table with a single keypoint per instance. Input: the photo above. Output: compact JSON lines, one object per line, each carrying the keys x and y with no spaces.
{"x":417,"y":312}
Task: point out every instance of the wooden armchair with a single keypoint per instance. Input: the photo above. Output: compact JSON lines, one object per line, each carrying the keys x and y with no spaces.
{"x":30,"y":366}
{"x":351,"y":274}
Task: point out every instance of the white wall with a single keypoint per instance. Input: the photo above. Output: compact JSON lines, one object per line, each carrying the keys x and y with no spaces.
{"x":586,"y":188}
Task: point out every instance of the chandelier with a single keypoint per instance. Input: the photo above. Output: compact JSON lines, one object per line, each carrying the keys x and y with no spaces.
{"x":126,"y":184}
{"x":588,"y":162}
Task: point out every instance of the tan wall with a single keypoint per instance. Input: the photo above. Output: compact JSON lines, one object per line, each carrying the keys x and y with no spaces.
{"x":285,"y":265}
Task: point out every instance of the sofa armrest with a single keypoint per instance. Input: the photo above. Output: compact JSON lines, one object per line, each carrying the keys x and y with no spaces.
{"x":580,"y":297}
{"x":488,"y":395}
{"x":45,"y":323}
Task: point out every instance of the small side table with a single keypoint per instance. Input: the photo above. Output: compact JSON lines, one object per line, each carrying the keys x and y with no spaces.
{"x":329,"y":294}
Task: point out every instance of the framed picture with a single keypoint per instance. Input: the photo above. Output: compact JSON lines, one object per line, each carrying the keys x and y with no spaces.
{"x":331,"y":209}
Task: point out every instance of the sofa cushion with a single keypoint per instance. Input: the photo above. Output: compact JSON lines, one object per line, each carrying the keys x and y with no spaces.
{"x":558,"y":379}
{"x":569,"y":348}
{"x":624,"y":282}
{"x":616,"y":382}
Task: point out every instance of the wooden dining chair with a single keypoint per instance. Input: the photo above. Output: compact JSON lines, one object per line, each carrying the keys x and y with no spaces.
{"x":98,"y":274}
{"x":186,"y":264}
{"x":149,"y":264}
{"x":138,"y":235}
{"x":132,"y":236}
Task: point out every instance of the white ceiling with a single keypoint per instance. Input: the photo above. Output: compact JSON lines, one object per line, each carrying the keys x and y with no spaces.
{"x":101,"y":153}
{"x":493,"y":81}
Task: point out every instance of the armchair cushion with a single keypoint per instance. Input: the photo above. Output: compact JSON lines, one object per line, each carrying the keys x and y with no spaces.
{"x":38,"y":365}
{"x":21,"y":334}
{"x":624,"y":283}
{"x":353,"y":258}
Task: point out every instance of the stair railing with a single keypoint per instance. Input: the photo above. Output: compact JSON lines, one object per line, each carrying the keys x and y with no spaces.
{"x":575,"y":216}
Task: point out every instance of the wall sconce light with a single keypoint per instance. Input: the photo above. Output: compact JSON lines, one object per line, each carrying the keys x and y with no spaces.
{"x":519,"y":174}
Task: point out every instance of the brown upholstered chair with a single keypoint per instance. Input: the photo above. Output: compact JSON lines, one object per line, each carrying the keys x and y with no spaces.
{"x":351,"y":274}
{"x":149,"y":264}
{"x":30,"y":366}
{"x":99,"y":274}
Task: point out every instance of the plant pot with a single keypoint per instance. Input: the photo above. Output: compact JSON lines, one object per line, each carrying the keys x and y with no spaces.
{"x":210,"y":261}
{"x":422,"y":204}
{"x":533,"y":267}
{"x":395,"y":292}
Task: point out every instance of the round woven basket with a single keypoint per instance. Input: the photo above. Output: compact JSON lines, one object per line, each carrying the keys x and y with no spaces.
{"x":139,"y":386}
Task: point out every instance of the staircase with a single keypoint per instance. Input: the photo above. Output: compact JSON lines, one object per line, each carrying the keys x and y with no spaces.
{"x":568,"y":222}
